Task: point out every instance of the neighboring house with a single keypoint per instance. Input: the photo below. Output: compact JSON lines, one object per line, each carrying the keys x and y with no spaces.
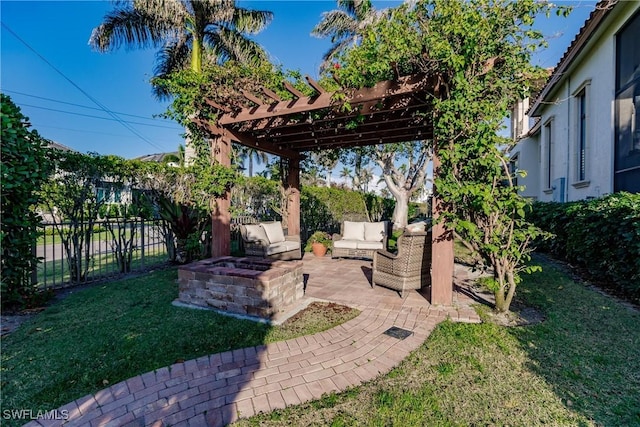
{"x":172,"y":159}
{"x":586,"y":138}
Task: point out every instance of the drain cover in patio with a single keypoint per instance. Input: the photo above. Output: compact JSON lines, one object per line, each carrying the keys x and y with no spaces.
{"x":399,"y":333}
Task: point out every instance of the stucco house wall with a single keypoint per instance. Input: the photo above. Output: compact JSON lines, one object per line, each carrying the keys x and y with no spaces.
{"x":549,"y":152}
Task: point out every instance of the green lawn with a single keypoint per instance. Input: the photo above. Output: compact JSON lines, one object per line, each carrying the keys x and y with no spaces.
{"x":107,"y":333}
{"x":579,"y":367}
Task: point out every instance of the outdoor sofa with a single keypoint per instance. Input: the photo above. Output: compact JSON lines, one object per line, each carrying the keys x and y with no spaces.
{"x":359,"y":239}
{"x":268,"y":240}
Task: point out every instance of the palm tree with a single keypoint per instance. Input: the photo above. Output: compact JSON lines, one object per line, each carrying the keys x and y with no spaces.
{"x":345,"y":26}
{"x":249,"y":154}
{"x":345,"y":173}
{"x":186,"y":31}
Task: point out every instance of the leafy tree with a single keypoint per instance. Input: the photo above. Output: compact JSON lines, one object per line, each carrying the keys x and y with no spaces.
{"x":73,"y":197}
{"x":24,"y":169}
{"x":478,"y":52}
{"x":405,"y":180}
{"x":345,"y":26}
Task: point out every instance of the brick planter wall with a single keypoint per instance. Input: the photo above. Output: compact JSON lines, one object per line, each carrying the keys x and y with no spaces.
{"x":248,"y":286}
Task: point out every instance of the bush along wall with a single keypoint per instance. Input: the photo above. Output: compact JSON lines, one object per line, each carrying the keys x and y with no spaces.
{"x":601,"y":236}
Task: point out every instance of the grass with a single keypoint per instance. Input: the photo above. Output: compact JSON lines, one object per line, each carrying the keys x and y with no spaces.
{"x":107,"y":333}
{"x":580,"y":367}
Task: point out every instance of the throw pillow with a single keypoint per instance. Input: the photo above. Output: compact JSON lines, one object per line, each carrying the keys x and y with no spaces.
{"x":274,"y":231}
{"x":374,"y":231}
{"x":353,"y":230}
{"x":255,"y":232}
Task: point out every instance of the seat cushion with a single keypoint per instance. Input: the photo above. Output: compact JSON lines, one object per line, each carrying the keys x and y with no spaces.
{"x":374,"y":231}
{"x":346,"y":244}
{"x":365,"y":244}
{"x":274,"y":231}
{"x":255,"y":232}
{"x":353,"y":230}
{"x":285,"y":246}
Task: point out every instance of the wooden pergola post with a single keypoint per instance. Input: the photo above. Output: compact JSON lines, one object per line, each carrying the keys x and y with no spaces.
{"x":441,"y":250}
{"x":293,"y":182}
{"x":221,"y":218}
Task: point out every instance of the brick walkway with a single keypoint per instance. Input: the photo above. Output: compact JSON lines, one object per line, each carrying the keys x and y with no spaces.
{"x":218,"y":389}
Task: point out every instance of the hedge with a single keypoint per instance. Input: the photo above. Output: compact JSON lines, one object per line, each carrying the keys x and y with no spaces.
{"x":600,"y":235}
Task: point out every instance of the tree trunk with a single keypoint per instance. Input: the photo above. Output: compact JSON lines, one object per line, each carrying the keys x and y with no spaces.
{"x":401,"y":210}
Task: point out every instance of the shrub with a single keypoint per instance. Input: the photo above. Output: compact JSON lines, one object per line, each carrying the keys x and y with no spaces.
{"x":24,"y":169}
{"x":601,"y":235}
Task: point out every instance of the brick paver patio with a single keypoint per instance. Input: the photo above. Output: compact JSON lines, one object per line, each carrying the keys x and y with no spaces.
{"x":217,"y":389}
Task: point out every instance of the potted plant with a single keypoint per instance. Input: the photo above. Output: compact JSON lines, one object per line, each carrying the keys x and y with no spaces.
{"x":318,"y":243}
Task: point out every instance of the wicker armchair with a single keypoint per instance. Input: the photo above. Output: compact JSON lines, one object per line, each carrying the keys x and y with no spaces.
{"x":409,"y":269}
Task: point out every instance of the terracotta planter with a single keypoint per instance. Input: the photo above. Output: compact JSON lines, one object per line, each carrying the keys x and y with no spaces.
{"x":318,"y":249}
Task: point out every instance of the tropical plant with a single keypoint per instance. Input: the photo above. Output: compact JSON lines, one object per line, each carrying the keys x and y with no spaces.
{"x":345,"y":174}
{"x":248,"y":154}
{"x":345,"y":26}
{"x":187,"y":32}
{"x":24,"y":168}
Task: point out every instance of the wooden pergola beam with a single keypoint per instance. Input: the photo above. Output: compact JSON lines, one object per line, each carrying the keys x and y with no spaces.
{"x":248,"y":140}
{"x":314,"y":84}
{"x":251,"y":97}
{"x":271,"y":94}
{"x":265,"y":146}
{"x":292,"y":90}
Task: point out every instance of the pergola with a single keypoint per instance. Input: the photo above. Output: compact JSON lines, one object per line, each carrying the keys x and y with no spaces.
{"x":392,"y":111}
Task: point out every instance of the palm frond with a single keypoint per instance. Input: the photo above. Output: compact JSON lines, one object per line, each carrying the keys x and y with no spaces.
{"x":332,"y":22}
{"x":228,"y":43}
{"x":130,"y":28}
{"x":172,"y":57}
{"x":251,"y":21}
{"x":166,"y":10}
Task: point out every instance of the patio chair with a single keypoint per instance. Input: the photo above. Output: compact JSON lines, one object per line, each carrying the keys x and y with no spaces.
{"x":409,"y":269}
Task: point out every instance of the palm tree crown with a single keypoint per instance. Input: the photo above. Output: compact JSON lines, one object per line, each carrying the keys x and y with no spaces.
{"x":345,"y":25}
{"x":186,"y":31}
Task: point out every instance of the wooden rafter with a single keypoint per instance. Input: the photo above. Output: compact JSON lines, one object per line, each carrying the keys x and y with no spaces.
{"x":314,"y":84}
{"x":293,"y":91}
{"x":251,"y":97}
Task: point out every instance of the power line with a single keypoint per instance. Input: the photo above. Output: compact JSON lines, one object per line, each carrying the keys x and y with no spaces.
{"x":95,"y":101}
{"x":84,"y":106}
{"x":98,"y":117}
{"x":90,"y":131}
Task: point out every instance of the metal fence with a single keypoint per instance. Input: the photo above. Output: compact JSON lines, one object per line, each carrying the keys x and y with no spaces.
{"x":148,"y":249}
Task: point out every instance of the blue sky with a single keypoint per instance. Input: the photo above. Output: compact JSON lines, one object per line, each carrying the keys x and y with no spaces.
{"x":60,"y":104}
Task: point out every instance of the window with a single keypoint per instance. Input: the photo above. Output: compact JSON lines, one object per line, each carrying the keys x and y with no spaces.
{"x":627,"y":121}
{"x":581,"y":98}
{"x":514,"y":168}
{"x":548,"y":166}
